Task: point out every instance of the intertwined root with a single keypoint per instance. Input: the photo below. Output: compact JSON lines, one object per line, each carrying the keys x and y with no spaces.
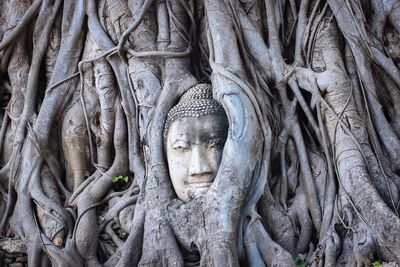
{"x":310,"y":167}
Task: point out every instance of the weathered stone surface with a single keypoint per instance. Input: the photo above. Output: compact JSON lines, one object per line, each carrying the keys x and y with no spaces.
{"x":12,"y":245}
{"x":112,"y":153}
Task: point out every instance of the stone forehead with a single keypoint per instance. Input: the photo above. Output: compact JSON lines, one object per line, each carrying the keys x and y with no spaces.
{"x":197,"y":101}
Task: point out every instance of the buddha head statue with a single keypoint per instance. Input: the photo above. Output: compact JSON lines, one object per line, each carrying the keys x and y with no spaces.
{"x":194,"y":137}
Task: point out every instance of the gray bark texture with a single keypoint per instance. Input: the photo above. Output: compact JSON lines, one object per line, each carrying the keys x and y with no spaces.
{"x":310,"y":170}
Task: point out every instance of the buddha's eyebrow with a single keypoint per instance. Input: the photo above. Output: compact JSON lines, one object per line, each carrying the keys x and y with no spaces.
{"x":212,"y":138}
{"x":215,"y":136}
{"x":218,"y":135}
{"x":181,"y":137}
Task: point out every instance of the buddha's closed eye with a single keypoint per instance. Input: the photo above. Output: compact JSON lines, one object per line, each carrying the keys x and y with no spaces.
{"x":216,"y":143}
{"x":181,"y":145}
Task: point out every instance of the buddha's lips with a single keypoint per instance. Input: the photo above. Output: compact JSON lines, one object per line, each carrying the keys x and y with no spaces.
{"x":200,"y":184}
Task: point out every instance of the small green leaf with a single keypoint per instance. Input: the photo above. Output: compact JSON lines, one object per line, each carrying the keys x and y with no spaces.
{"x":120,"y":178}
{"x":299,"y":262}
{"x":376,"y":264}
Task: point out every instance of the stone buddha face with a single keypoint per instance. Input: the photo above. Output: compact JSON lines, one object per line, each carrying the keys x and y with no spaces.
{"x":194,"y":137}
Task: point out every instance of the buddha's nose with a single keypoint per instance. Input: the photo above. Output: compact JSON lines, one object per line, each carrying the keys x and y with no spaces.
{"x":199,"y":164}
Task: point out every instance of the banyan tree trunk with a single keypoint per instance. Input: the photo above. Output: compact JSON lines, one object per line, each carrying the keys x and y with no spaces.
{"x":310,"y":170}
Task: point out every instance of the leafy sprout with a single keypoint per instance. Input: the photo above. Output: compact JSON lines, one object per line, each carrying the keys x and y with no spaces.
{"x":299,"y":262}
{"x":120,"y":178}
